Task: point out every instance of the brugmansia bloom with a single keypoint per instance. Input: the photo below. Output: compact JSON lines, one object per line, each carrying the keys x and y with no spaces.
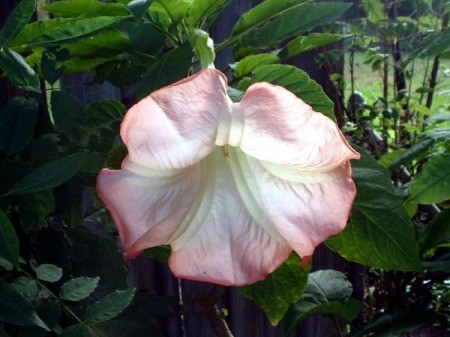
{"x":232,"y":187}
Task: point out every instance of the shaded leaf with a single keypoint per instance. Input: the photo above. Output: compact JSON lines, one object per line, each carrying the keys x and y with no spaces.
{"x":171,"y":67}
{"x":80,"y":330}
{"x":437,"y":232}
{"x":279,"y":290}
{"x":78,"y":288}
{"x":50,"y":175}
{"x":109,"y":306}
{"x":380,"y":233}
{"x":432,"y":183}
{"x":295,"y":80}
{"x":439,"y":134}
{"x":17,"y":20}
{"x":327,"y":292}
{"x":26,"y":287}
{"x":410,"y":154}
{"x":159,"y":253}
{"x":15,"y":309}
{"x":68,"y":115}
{"x":17,"y":121}
{"x":289,"y":23}
{"x":9,"y":243}
{"x":18,"y":71}
{"x":48,"y":272}
{"x":139,"y":7}
{"x":33,"y":208}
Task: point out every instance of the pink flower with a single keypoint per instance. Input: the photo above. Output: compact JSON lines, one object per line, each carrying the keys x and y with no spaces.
{"x":232,"y":187}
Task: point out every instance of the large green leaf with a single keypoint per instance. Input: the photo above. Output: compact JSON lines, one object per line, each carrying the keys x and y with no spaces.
{"x":15,"y":309}
{"x":75,"y":30}
{"x":78,"y":289}
{"x":303,"y":44}
{"x":85,"y":9}
{"x":26,"y":287}
{"x":250,"y":63}
{"x":432,"y":183}
{"x":412,"y":153}
{"x":17,"y":20}
{"x":279,"y":290}
{"x":291,"y":22}
{"x":109,"y":306}
{"x":52,"y":174}
{"x":433,"y":46}
{"x":202,"y":11}
{"x":18,"y":71}
{"x":9,"y":244}
{"x":436,"y":233}
{"x":33,"y":208}
{"x":296,"y":81}
{"x":380,"y":233}
{"x":17,"y":121}
{"x":176,"y":10}
{"x":171,"y":67}
{"x":327,"y":293}
{"x":262,"y":13}
{"x":68,"y":115}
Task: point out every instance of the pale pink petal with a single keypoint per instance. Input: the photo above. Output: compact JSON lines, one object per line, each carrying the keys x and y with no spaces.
{"x":282,"y":129}
{"x":176,"y":126}
{"x":148,"y":210}
{"x":229,"y":241}
{"x":306,"y":207}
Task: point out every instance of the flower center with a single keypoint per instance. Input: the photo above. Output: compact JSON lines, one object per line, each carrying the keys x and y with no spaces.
{"x":231,"y":127}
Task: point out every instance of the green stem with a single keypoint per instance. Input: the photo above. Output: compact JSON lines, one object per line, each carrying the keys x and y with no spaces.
{"x":338,"y":327}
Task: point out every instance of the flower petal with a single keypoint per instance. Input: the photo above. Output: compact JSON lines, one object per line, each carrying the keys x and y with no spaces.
{"x":224,"y":242}
{"x":282,"y":129}
{"x":148,"y":210}
{"x":306,"y":207}
{"x":176,"y":126}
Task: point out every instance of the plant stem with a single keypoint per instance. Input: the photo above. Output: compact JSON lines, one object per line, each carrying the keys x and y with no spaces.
{"x":338,"y":327}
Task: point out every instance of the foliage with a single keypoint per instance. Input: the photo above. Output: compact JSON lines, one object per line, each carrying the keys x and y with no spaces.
{"x":62,"y":275}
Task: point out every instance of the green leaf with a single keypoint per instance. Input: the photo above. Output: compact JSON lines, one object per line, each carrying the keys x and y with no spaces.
{"x":80,"y":330}
{"x":203,"y":47}
{"x":85,"y":9}
{"x":26,"y":287}
{"x":204,"y":11}
{"x":279,"y":290}
{"x":50,"y":175}
{"x":432,"y":46}
{"x":49,"y":69}
{"x":176,"y":10}
{"x":171,"y":67}
{"x":159,"y":253}
{"x":75,"y":30}
{"x":439,"y":134}
{"x":250,"y":63}
{"x":439,"y":118}
{"x":33,"y":208}
{"x":15,"y":309}
{"x":79,"y":288}
{"x":436,"y":233}
{"x":9,"y":244}
{"x":139,"y":7}
{"x":17,"y":20}
{"x":18,"y":119}
{"x":109,"y":306}
{"x":380,"y":233}
{"x":18,"y":71}
{"x":413,"y":152}
{"x":295,"y":80}
{"x":327,"y":292}
{"x":374,"y":9}
{"x":432,"y":183}
{"x":48,"y":272}
{"x":68,"y":115}
{"x":303,"y":44}
{"x":262,"y":13}
{"x":291,"y":22}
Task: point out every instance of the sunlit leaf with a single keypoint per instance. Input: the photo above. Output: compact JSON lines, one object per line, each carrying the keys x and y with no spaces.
{"x":380,"y":233}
